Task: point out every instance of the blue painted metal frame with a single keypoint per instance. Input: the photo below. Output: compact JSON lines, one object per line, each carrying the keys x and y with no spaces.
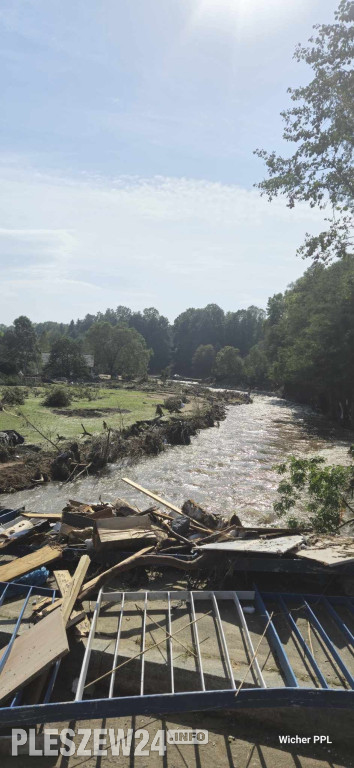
{"x":25,"y":591}
{"x":289,"y":695}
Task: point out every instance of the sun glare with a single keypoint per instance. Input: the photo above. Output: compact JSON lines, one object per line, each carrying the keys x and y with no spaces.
{"x":244,"y":12}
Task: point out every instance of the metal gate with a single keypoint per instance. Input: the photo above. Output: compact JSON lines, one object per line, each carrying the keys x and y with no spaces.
{"x":180,"y":651}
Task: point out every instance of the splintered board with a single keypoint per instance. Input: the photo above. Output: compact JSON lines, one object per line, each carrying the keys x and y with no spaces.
{"x":33,"y":651}
{"x":277,"y":546}
{"x":22,"y":565}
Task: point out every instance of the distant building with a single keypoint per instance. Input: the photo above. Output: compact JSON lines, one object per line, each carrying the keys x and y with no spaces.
{"x":89,"y":360}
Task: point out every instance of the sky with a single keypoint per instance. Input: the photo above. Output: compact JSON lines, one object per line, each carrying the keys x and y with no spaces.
{"x":127,"y":131}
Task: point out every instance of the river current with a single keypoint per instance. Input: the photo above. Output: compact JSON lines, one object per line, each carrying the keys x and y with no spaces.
{"x":228,"y":469}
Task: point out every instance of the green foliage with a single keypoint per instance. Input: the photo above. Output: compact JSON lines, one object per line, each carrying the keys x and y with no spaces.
{"x":323,"y":490}
{"x":203,"y":360}
{"x":256,"y":367}
{"x":13,"y":396}
{"x":228,"y":364}
{"x":66,"y":360}
{"x":19,"y":351}
{"x":172,"y":404}
{"x":309,"y":339}
{"x":58,"y":397}
{"x":321,"y":125}
{"x":118,"y":350}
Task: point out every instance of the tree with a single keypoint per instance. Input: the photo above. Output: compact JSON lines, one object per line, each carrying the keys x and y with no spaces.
{"x":193,"y":328}
{"x":244,"y":328}
{"x":203,"y":360}
{"x":156,"y":331}
{"x":20,"y":350}
{"x":118,"y":349}
{"x":255,"y":367}
{"x":309,"y":339}
{"x":321,"y":124}
{"x":228,"y":364}
{"x":66,"y":360}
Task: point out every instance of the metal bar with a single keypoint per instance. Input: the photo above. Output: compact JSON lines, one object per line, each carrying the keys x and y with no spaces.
{"x":343,"y":627}
{"x":52,"y":681}
{"x":330,"y":646}
{"x":170,"y":642}
{"x":249,"y":642}
{"x":303,"y":643}
{"x":168,"y":703}
{"x":115,"y":655}
{"x":7,"y":651}
{"x":3,"y":594}
{"x":276,"y":644}
{"x":223,"y":642}
{"x":179,"y":595}
{"x":143,"y":647}
{"x":86,"y":659}
{"x":196,"y":642}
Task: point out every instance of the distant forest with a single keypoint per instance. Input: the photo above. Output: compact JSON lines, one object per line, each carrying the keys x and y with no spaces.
{"x":302,"y":346}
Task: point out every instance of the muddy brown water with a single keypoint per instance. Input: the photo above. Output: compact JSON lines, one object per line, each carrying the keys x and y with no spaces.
{"x":227,"y":468}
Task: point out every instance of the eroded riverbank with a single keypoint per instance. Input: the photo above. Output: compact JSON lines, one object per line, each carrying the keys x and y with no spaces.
{"x":227,"y":468}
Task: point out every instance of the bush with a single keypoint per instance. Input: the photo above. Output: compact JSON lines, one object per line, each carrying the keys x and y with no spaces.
{"x":13,"y":396}
{"x":172,"y":404}
{"x":59,"y":397}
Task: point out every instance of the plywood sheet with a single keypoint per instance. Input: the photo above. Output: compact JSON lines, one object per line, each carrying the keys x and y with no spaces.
{"x":33,"y":651}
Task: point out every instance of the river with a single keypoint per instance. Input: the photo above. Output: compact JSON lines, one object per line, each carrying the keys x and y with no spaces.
{"x":227,"y":468}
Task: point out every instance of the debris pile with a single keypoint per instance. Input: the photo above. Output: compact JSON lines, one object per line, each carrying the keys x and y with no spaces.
{"x":105,"y":540}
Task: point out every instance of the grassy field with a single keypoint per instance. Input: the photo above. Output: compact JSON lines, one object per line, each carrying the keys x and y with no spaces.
{"x":139,"y":405}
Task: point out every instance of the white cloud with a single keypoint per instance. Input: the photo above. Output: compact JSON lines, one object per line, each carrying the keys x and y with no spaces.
{"x":72,"y":245}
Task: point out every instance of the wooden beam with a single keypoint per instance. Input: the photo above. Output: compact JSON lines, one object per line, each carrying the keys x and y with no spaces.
{"x":64,"y":581}
{"x":153,"y":496}
{"x":75,"y":586}
{"x":22,"y":565}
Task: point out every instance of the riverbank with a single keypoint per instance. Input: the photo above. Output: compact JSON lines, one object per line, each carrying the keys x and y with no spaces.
{"x":30,"y":466}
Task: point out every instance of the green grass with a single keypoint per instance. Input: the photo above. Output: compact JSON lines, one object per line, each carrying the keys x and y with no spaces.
{"x":141,"y":405}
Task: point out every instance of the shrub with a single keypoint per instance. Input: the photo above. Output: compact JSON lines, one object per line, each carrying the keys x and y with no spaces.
{"x":172,"y":404}
{"x":59,"y":397}
{"x":13,"y":396}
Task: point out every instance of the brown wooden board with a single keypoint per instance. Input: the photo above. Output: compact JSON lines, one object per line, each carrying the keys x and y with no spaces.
{"x":123,"y":532}
{"x":22,"y":565}
{"x":32,"y":652}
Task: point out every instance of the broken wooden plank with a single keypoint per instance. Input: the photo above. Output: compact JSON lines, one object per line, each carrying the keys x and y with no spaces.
{"x":277,"y":546}
{"x":64,"y":581}
{"x":32,"y":652}
{"x":22,"y":565}
{"x":75,"y":586}
{"x":123,"y":532}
